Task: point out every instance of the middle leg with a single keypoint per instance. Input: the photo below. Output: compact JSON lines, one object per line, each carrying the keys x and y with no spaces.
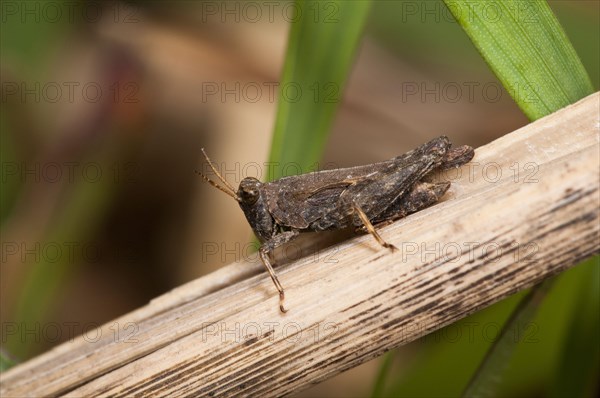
{"x":371,"y":229}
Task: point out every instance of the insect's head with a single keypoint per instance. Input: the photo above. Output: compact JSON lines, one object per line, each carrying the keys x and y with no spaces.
{"x":249,"y":190}
{"x":248,"y":195}
{"x":228,"y":189}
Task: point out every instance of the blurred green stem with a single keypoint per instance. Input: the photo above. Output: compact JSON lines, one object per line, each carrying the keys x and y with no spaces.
{"x":382,"y":375}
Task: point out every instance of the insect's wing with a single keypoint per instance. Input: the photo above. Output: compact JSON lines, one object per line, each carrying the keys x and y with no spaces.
{"x":296,"y":201}
{"x":380,"y":191}
{"x":323,"y":178}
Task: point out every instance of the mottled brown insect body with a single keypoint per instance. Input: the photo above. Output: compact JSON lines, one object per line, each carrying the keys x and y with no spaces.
{"x":333,"y":199}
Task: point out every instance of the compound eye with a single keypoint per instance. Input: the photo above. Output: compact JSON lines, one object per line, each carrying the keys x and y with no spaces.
{"x":249,"y":195}
{"x":249,"y":190}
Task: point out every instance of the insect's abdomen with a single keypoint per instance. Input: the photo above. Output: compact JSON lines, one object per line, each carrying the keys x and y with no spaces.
{"x":421,"y":196}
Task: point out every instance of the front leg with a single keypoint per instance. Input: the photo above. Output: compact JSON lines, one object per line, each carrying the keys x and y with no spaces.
{"x":265,"y":251}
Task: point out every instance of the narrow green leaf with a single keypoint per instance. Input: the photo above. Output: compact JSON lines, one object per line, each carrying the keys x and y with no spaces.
{"x":485,"y":381}
{"x":322,"y":42}
{"x":451,"y":355}
{"x":525,"y":46}
{"x":577,"y":372}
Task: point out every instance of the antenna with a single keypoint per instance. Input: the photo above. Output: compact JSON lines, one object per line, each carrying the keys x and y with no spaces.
{"x":230,"y":192}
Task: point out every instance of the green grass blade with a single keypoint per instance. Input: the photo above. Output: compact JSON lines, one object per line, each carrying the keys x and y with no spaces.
{"x":320,"y":53}
{"x":451,"y":355}
{"x":525,"y":46}
{"x":577,"y":373}
{"x":485,"y":380}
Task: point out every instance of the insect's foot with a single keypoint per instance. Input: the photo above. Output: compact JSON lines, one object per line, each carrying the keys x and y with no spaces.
{"x":390,"y":246}
{"x":281,"y":300}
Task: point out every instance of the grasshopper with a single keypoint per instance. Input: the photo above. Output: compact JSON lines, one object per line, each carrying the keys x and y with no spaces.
{"x":360,"y":197}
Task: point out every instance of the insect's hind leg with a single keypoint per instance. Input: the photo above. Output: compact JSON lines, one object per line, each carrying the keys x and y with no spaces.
{"x":421,"y":196}
{"x":264,"y":252}
{"x":371,"y":229}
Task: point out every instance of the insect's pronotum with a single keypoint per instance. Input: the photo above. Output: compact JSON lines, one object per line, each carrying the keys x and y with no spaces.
{"x":361,"y":196}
